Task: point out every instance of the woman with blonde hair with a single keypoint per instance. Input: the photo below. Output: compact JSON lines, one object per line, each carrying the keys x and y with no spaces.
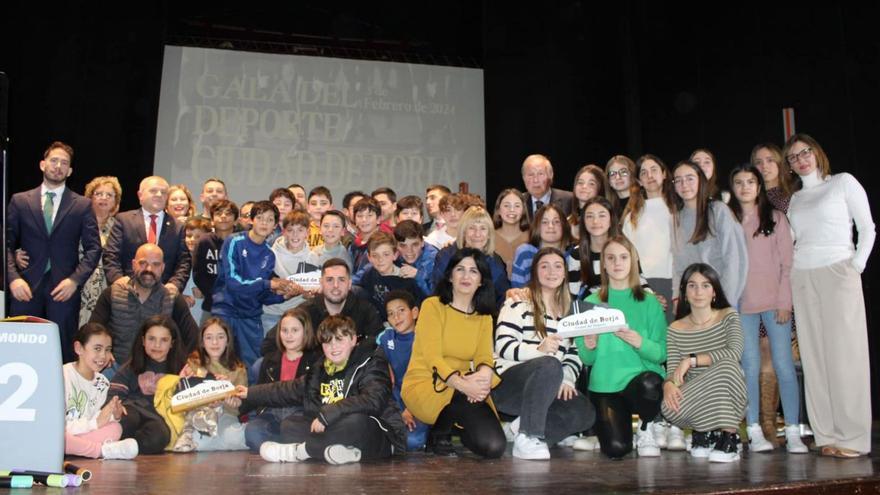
{"x":180,"y":202}
{"x":475,"y":230}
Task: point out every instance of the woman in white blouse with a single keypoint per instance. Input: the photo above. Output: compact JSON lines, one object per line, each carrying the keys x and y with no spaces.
{"x":827,"y":293}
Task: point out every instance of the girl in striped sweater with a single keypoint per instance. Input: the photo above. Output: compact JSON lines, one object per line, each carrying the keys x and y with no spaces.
{"x":538,"y":368}
{"x":705,"y":389}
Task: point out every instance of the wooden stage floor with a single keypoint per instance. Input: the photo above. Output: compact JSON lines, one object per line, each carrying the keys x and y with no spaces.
{"x":567,"y":472}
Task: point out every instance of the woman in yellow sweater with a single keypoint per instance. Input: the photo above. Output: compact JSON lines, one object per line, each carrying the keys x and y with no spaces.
{"x":451,"y":371}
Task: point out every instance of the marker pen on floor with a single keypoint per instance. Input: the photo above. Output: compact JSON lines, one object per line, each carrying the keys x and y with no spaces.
{"x":48,"y":479}
{"x":72,"y":479}
{"x":16,"y":481}
{"x":71,"y":468}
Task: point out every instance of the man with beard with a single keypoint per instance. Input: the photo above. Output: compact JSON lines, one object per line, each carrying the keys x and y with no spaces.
{"x":127,"y":302}
{"x":49,"y":223}
{"x":336,"y":299}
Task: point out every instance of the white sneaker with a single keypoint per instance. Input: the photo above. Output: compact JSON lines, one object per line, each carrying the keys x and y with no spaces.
{"x":645,"y":442}
{"x":726,"y":448}
{"x":340,"y":454}
{"x":793,"y":442}
{"x":568,"y":441}
{"x":184,"y":443}
{"x":757,"y":442}
{"x":529,"y":447}
{"x":123,"y":449}
{"x":675,"y":438}
{"x":588,"y":444}
{"x":660,"y":433}
{"x":511,"y":429}
{"x":283,"y":452}
{"x":701,"y":444}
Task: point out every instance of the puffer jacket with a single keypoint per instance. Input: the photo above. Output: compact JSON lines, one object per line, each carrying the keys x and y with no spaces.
{"x":367,"y":386}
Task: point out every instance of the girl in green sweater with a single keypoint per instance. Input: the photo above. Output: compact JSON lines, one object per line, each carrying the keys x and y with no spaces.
{"x":627,"y":375}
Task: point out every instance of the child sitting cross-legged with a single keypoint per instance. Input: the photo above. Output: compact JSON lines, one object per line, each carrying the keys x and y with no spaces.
{"x":396,"y":342}
{"x":349,"y":413}
{"x":297,"y":351}
{"x":157,"y":351}
{"x":92,"y":428}
{"x":215,"y":426}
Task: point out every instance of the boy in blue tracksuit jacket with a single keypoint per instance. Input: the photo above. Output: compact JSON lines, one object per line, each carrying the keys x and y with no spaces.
{"x":245,"y":284}
{"x":396,"y":343}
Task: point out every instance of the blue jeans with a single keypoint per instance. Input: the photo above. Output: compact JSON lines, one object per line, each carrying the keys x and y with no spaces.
{"x":416,"y":439}
{"x":248,"y":333}
{"x":783,"y":364}
{"x":266,"y":426}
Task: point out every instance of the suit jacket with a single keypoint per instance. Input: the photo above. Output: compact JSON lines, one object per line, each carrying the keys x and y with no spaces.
{"x":129,"y":233}
{"x":75,"y":223}
{"x":558,"y":197}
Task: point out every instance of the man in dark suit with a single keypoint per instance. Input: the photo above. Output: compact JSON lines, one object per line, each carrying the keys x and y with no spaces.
{"x":149,"y":224}
{"x":537,"y":174}
{"x":49,"y":223}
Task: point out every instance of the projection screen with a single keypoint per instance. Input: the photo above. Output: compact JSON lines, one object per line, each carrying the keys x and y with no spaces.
{"x":260,"y":121}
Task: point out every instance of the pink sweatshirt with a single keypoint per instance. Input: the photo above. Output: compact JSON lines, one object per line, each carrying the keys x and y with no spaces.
{"x":768,"y":286}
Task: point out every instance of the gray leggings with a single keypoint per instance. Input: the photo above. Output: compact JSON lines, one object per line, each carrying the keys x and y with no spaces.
{"x":529,"y":390}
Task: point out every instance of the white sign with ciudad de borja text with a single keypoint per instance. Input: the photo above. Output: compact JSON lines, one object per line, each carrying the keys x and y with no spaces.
{"x":595,"y":321}
{"x":308,"y":281}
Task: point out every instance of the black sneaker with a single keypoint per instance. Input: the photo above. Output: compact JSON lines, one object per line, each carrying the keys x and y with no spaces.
{"x":726,"y":448}
{"x":441,"y":444}
{"x":701,"y":443}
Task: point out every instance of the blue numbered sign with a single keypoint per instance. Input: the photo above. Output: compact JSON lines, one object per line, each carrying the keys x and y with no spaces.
{"x":31,"y":397}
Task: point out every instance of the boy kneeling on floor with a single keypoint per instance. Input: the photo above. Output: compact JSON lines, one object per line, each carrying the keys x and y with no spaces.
{"x":349,"y":413}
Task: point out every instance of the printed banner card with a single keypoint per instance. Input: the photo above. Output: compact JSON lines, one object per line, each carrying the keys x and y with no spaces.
{"x":595,"y":321}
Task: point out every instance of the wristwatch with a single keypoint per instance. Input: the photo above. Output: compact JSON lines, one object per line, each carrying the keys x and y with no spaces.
{"x":693,"y":360}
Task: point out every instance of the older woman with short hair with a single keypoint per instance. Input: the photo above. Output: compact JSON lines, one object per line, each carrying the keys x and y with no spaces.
{"x":105,"y":194}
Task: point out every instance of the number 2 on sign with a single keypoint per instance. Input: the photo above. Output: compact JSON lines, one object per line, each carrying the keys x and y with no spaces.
{"x":10,"y":409}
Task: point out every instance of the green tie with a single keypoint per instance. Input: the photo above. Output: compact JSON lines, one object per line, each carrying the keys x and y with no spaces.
{"x":48,"y":206}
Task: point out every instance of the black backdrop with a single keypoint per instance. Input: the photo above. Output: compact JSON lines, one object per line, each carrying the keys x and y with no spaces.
{"x":574,"y":81}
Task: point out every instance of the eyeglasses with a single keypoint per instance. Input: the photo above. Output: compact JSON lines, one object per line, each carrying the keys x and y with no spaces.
{"x":102,"y":194}
{"x":687,"y":179}
{"x":801,"y":155}
{"x":622,"y":173}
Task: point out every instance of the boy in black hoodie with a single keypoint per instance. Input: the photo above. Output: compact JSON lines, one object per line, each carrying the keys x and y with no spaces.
{"x":349,"y":413}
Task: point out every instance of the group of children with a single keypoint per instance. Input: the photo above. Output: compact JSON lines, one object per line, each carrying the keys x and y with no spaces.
{"x":247,"y":277}
{"x":342,"y":399}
